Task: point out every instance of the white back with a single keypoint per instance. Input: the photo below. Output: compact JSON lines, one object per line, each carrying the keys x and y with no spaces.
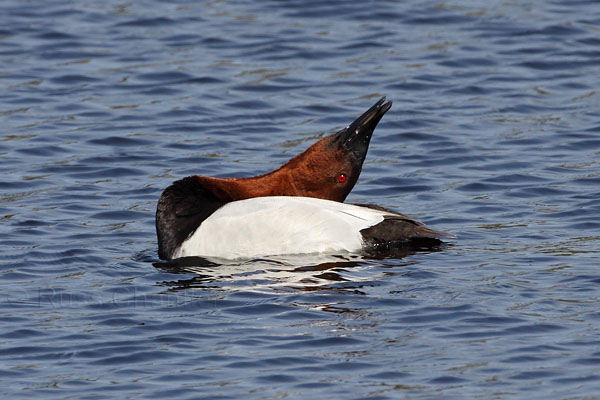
{"x":276,"y":225}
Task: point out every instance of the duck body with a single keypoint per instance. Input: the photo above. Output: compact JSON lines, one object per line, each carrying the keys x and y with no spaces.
{"x":295,"y":209}
{"x":276,"y":225}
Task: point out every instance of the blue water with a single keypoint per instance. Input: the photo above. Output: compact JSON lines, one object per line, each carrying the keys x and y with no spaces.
{"x":494,"y":136}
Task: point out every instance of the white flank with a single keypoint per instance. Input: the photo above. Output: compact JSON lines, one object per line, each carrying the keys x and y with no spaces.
{"x":276,"y":225}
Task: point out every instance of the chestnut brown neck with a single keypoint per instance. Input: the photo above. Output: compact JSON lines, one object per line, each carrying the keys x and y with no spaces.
{"x":294,"y":178}
{"x":233,"y":189}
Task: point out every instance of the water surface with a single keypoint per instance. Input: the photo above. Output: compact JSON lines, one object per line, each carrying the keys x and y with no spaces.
{"x":494,"y":135}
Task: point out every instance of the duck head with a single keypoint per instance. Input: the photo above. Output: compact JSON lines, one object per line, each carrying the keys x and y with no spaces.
{"x":329,"y":168}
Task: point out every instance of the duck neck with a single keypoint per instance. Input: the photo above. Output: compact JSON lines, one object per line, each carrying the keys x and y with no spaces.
{"x":276,"y":183}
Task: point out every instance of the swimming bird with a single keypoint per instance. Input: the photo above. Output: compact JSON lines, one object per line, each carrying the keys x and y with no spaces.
{"x":297,"y":208}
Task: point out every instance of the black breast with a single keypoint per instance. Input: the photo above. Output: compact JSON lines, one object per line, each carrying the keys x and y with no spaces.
{"x":181,"y":209}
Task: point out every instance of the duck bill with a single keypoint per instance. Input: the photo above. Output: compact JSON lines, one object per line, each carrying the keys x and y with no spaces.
{"x":357,"y":136}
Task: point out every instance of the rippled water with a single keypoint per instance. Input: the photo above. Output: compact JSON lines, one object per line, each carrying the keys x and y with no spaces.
{"x":494,"y":136}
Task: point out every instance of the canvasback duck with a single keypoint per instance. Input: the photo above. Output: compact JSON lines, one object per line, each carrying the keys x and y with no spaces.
{"x":296,"y":209}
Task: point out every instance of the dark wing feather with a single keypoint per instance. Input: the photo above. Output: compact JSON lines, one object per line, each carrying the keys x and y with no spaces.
{"x":400,"y":230}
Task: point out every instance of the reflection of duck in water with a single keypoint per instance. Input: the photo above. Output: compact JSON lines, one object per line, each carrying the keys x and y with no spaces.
{"x":295,"y":209}
{"x":301,"y":272}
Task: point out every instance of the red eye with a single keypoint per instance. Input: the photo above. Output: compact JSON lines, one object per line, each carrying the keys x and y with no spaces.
{"x":342,"y":178}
